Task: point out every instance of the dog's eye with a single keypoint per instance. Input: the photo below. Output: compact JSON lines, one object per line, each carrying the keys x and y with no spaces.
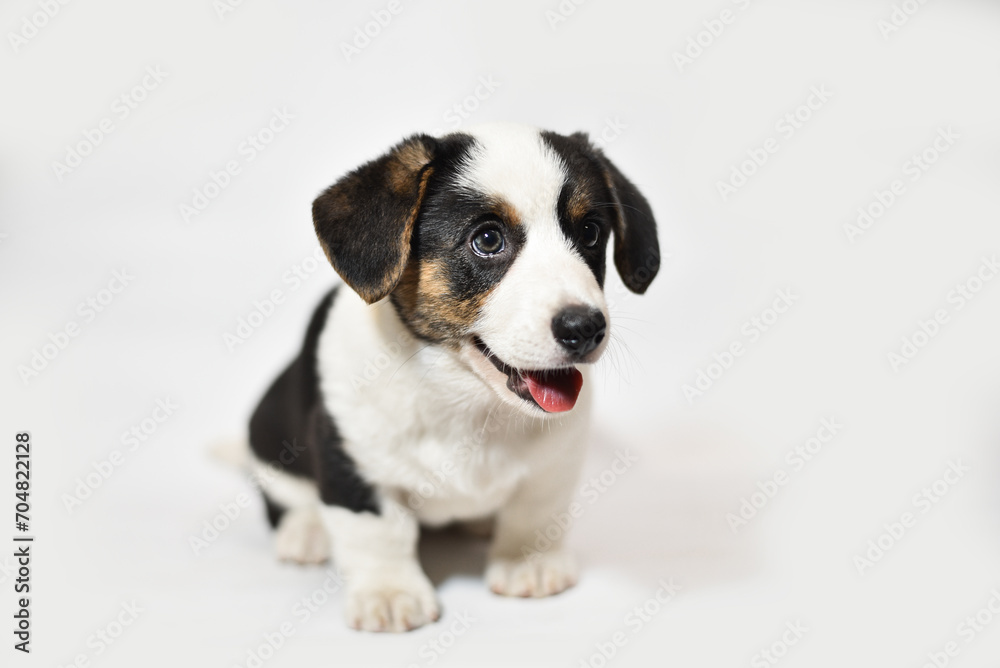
{"x":590,"y":234}
{"x":488,"y":241}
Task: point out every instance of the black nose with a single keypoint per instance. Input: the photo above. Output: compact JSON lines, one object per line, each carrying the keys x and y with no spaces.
{"x":579,"y":329}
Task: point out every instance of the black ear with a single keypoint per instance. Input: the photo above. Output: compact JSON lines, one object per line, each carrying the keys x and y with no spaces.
{"x":365,"y":220}
{"x":637,"y":250}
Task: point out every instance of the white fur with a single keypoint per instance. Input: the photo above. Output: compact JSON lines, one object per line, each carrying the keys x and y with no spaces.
{"x":512,"y":161}
{"x":301,"y":537}
{"x":286,"y":490}
{"x":386,"y":588}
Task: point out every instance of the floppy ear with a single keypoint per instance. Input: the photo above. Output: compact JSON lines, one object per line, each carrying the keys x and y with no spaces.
{"x":637,"y":250}
{"x":365,"y":220}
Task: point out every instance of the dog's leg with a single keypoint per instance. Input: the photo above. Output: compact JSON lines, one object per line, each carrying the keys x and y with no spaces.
{"x":377,"y":554}
{"x":301,"y":538}
{"x":292,"y":505}
{"x":520,"y":563}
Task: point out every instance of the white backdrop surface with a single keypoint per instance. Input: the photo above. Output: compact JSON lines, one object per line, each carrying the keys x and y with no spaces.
{"x":116,"y":115}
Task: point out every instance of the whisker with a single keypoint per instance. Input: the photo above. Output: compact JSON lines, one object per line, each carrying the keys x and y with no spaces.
{"x":618,"y":317}
{"x":431,"y":367}
{"x":614,"y":346}
{"x":425,"y":347}
{"x":630,"y":355}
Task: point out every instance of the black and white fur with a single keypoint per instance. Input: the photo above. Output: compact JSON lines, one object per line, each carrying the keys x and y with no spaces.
{"x":445,"y":431}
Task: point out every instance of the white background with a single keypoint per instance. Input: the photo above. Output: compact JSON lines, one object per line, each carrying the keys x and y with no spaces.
{"x":666,"y":517}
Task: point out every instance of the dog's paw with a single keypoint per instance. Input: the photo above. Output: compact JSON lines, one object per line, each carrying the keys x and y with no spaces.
{"x":396,"y":605}
{"x":540,"y":575}
{"x":301,"y":538}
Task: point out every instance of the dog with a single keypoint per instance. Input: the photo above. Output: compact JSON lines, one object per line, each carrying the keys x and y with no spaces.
{"x":440,"y":383}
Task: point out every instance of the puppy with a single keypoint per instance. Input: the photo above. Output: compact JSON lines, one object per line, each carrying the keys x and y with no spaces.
{"x":442,"y":384}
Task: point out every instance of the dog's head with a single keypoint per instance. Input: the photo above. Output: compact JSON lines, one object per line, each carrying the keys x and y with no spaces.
{"x":492,"y":243}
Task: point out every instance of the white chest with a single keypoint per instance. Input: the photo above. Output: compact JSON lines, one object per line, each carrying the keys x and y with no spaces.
{"x":417,"y":424}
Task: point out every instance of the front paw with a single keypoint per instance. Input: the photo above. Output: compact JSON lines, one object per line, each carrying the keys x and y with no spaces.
{"x":393,"y":604}
{"x":538,"y":575}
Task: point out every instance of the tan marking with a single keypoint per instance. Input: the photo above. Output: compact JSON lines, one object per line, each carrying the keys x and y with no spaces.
{"x":579,"y":204}
{"x":433,"y":283}
{"x":414,"y":155}
{"x":437,"y":298}
{"x":505,"y":210}
{"x":404,"y":164}
{"x":429,"y":306}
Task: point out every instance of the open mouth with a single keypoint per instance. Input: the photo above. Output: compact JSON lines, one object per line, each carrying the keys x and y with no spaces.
{"x":552,"y":390}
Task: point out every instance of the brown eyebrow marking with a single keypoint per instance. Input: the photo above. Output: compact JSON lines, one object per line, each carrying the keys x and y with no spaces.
{"x":507,"y":212}
{"x":579,"y":204}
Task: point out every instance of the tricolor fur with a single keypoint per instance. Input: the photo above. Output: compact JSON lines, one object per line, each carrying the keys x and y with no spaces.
{"x":440,"y":385}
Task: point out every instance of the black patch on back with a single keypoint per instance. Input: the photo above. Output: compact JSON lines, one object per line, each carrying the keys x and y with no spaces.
{"x":292,"y":430}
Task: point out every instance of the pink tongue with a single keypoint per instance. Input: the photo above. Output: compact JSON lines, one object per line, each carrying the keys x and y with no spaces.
{"x":554,"y":391}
